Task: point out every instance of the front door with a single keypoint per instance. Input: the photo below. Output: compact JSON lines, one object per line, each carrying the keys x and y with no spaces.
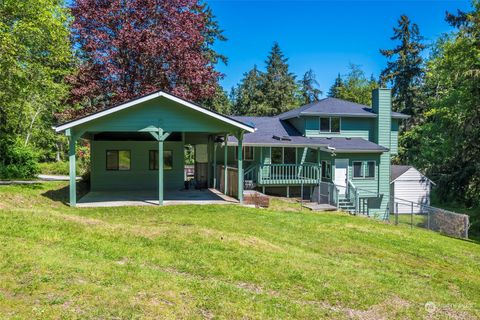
{"x":341,"y":175}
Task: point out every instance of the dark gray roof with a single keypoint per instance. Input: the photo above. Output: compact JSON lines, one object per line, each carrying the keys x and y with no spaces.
{"x":397,"y":171}
{"x":334,"y":106}
{"x":271,"y":131}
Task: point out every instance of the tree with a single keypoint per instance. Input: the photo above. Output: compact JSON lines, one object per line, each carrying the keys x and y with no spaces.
{"x":309,"y":88}
{"x":127,"y":48}
{"x":447,"y":145}
{"x":336,"y":88}
{"x":354,"y":86}
{"x":248,"y":97}
{"x":279,"y":86}
{"x":35,"y":56}
{"x":406,"y":70}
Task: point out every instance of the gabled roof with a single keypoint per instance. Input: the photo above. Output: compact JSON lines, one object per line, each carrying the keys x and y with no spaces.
{"x":396,"y":171}
{"x":154,"y":95}
{"x":272,"y":131}
{"x":335,"y":107}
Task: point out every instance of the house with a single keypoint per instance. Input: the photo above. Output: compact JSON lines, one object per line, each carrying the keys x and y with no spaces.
{"x":409,"y":190}
{"x":332,"y":145}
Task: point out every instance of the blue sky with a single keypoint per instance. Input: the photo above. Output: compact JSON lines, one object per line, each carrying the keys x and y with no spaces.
{"x":323,"y":35}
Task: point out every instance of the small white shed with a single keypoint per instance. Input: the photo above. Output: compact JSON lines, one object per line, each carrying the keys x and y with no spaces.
{"x":409,"y":190}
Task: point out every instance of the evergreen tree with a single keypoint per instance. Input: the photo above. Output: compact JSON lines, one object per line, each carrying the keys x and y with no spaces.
{"x":406,"y":70}
{"x":354,"y":86}
{"x":279,"y":86}
{"x":337,"y":86}
{"x":309,"y":88}
{"x":248,"y":98}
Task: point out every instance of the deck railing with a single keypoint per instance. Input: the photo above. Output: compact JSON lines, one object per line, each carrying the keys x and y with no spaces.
{"x":273,"y":174}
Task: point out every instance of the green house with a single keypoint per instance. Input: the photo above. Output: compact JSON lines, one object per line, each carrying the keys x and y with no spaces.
{"x":331,"y":151}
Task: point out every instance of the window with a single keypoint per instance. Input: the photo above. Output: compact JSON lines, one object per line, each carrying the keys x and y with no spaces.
{"x":335,"y":125}
{"x":247,"y":153}
{"x":118,"y":160}
{"x":289,"y":155}
{"x":277,"y":155}
{"x":364,"y":169}
{"x":326,"y":169}
{"x":330,"y":124}
{"x":324,"y":124}
{"x":167,"y":160}
{"x":358,"y":169}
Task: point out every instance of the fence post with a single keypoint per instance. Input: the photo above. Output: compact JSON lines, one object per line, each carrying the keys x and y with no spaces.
{"x":301,"y":196}
{"x":428,"y":218}
{"x":411,"y":215}
{"x":396,"y":213}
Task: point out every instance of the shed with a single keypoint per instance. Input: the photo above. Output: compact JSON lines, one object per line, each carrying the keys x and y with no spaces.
{"x":409,"y":190}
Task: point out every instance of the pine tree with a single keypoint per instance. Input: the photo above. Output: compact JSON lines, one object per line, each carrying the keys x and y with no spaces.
{"x":248,"y":96}
{"x":309,"y":88}
{"x":279,"y":84}
{"x":337,"y":86}
{"x":406,"y":70}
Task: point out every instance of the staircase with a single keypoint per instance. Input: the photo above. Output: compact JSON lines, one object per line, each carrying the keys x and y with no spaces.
{"x":346,"y":205}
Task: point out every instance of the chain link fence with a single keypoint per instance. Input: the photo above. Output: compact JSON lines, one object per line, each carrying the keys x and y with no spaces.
{"x":424,"y":216}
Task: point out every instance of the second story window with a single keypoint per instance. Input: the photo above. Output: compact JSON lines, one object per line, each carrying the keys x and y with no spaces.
{"x":329,"y":124}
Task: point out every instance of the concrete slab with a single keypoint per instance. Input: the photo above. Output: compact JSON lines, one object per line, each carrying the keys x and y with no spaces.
{"x":319,"y":206}
{"x":149,"y":198}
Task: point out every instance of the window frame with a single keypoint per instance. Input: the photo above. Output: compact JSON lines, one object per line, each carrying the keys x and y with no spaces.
{"x":244,"y":153}
{"x":364,"y":164}
{"x":330,"y":125}
{"x":155,"y":161}
{"x":118,"y":159}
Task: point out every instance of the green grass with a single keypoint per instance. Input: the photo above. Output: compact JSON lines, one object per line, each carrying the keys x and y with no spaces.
{"x":222,"y":262}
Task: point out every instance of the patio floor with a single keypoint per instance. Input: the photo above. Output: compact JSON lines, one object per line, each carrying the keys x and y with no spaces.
{"x":149,"y":197}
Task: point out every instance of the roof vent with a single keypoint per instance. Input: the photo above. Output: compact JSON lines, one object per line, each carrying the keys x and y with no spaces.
{"x":348,"y":138}
{"x":329,"y":138}
{"x":282,"y":138}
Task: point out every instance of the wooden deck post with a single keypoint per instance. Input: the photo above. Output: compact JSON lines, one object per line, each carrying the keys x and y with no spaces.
{"x":240,"y":167}
{"x":72,"y":165}
{"x":225,"y":151}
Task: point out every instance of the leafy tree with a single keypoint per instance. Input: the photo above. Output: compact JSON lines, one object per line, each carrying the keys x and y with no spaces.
{"x":309,"y":88}
{"x":248,"y":97}
{"x":354,"y":86}
{"x":447,"y":144}
{"x":127,"y":48}
{"x":406,"y":70}
{"x":279,"y":86}
{"x":35,"y":56}
{"x":218,"y":102}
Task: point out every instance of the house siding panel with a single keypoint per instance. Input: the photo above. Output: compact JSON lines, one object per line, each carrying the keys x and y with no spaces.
{"x":350,"y":128}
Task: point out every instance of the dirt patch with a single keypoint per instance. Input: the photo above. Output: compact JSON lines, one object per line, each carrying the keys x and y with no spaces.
{"x":256,"y":289}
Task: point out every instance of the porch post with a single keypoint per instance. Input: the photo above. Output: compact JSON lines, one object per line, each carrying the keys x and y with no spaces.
{"x":72,"y":164}
{"x":225,"y":151}
{"x":240,"y":167}
{"x":214,"y":165}
{"x":160,"y":171}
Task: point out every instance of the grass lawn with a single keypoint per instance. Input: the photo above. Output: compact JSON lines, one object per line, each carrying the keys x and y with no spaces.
{"x":206,"y":262}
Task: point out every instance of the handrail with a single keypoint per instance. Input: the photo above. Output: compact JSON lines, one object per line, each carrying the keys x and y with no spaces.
{"x":352,"y":195}
{"x":249,"y":173}
{"x":288,"y":173}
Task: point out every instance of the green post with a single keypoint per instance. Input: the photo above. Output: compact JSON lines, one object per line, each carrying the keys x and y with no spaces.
{"x":73,"y":173}
{"x":160,"y":168}
{"x":225,"y":150}
{"x":240,"y":167}
{"x":214,"y":165}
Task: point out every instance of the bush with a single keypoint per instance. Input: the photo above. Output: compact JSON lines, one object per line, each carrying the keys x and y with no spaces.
{"x":19,"y":161}
{"x":55,"y":168}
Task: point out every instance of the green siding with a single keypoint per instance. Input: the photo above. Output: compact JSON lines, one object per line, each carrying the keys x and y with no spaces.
{"x":139,"y":177}
{"x":161,"y":112}
{"x":299,"y":124}
{"x":394,"y":137}
{"x":350,"y":128}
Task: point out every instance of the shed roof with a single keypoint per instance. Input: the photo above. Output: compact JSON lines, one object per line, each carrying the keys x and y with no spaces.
{"x":335,"y":107}
{"x":397,"y":171}
{"x":149,"y":97}
{"x":272,"y":131}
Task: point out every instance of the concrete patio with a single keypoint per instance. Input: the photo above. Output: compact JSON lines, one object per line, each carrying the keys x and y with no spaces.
{"x":149,"y":198}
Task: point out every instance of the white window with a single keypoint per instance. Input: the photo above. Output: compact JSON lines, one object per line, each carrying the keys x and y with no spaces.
{"x":330,"y":124}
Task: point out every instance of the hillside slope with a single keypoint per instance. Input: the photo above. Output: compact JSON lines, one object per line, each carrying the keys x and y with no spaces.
{"x":223,"y":262}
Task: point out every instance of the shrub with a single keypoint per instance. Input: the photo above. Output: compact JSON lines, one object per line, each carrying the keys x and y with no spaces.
{"x":56,"y":168}
{"x":18,"y":161}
